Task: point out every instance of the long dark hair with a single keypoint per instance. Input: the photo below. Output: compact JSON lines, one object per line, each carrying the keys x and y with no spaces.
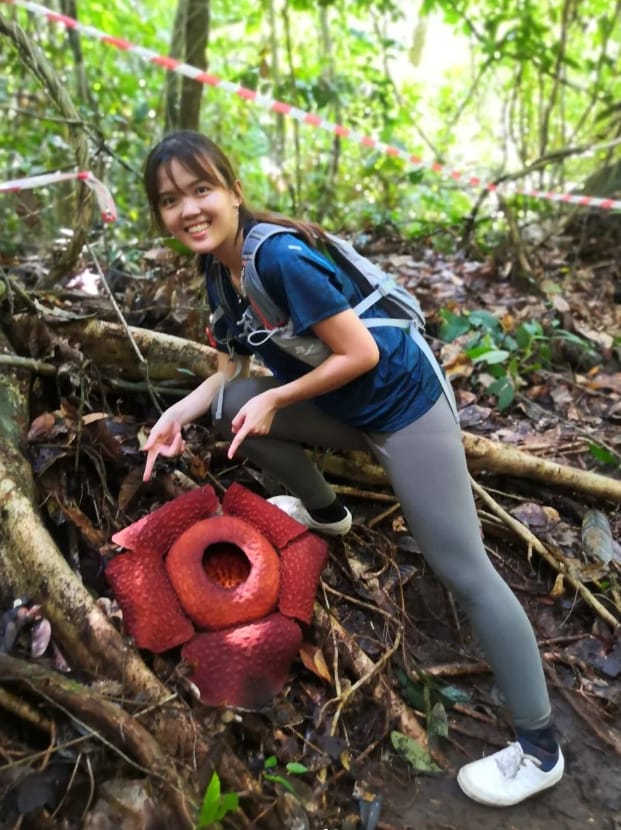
{"x":202,"y":157}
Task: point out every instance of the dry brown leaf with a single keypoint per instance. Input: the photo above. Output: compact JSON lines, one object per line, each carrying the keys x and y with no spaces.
{"x":41,"y":426}
{"x":314,"y":660}
{"x":93,"y":416}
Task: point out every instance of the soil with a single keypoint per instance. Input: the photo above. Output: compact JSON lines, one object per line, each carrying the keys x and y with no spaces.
{"x":589,"y":795}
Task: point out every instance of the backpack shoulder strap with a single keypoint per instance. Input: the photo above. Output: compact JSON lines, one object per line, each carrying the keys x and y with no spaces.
{"x":256,"y":236}
{"x":404,"y":308}
{"x":270,"y":313}
{"x":376,"y":285}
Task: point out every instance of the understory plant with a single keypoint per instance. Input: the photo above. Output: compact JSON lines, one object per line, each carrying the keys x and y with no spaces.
{"x":503,"y":355}
{"x":215,"y":805}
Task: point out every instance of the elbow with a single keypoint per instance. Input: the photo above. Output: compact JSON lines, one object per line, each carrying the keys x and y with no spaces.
{"x":371,"y":357}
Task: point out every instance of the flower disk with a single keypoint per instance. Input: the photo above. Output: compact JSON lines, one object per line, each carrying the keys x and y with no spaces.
{"x":206,"y":600}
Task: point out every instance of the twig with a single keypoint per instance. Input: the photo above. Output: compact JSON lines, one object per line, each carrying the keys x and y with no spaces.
{"x":123,"y":323}
{"x":559,"y":565}
{"x":374,"y":609}
{"x":383,"y":515}
{"x":356,"y":492}
{"x":30,"y":363}
{"x":456,"y":669}
{"x":609,"y":736}
{"x":364,"y":667}
{"x":66,"y":695}
{"x":374,"y":669}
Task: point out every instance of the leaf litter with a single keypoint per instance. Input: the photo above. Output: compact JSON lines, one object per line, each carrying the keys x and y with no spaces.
{"x":361,"y":762}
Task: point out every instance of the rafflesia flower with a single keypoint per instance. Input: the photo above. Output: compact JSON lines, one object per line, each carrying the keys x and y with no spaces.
{"x":231,"y":587}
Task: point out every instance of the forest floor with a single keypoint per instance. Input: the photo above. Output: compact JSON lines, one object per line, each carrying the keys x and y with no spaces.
{"x":568,"y":409}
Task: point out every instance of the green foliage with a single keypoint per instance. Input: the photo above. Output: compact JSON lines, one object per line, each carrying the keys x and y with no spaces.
{"x":215,"y":805}
{"x":502,"y":358}
{"x":291,"y":768}
{"x":415,"y":754}
{"x":604,"y":456}
{"x":552,"y":67}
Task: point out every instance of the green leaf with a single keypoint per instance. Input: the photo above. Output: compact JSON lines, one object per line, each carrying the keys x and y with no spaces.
{"x":453,"y":325}
{"x":453,"y":694}
{"x":211,"y":800}
{"x":491,"y":356}
{"x":280,"y":779}
{"x":228,"y":804}
{"x":296,"y":769}
{"x":215,"y":806}
{"x":485,"y":321}
{"x":270,"y":762}
{"x":415,"y":754}
{"x":603,"y":455}
{"x":437,"y":723}
{"x":504,"y":390}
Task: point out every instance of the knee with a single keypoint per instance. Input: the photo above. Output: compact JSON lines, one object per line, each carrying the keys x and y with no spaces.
{"x":230,"y":400}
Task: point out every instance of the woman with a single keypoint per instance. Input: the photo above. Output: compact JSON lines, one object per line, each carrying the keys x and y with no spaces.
{"x":374,"y":390}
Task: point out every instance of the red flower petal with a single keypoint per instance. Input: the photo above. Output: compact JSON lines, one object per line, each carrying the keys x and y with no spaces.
{"x":151,"y":611}
{"x":244,"y":666}
{"x":204,"y":598}
{"x":269,"y":519}
{"x":156,"y":531}
{"x":301,"y":563}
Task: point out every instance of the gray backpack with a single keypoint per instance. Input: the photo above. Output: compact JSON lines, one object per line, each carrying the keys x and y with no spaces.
{"x":265,"y":320}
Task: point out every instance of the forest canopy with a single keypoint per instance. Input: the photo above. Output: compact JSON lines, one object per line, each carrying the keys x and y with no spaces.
{"x":517,"y":93}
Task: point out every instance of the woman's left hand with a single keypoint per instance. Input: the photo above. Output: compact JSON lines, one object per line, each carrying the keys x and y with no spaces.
{"x":353,"y":352}
{"x":254,"y":418}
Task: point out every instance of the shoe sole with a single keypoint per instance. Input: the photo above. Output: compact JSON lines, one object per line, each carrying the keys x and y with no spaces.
{"x":293,"y":507}
{"x":334,"y":529}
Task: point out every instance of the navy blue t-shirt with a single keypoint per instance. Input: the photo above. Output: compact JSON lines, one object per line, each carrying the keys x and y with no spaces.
{"x":310,"y":287}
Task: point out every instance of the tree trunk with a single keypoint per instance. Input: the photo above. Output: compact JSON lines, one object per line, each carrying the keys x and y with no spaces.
{"x":189,"y":41}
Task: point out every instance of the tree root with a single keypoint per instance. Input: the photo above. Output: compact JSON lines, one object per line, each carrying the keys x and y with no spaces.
{"x":108,"y":723}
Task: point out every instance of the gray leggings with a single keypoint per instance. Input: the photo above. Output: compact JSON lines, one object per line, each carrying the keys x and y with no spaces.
{"x":426,"y":466}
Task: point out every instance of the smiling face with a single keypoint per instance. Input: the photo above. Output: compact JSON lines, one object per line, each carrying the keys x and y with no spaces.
{"x":198,"y":209}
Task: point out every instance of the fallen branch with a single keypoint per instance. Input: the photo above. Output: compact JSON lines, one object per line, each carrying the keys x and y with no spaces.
{"x":483,"y":455}
{"x":567,"y":568}
{"x":112,"y":347}
{"x":494,"y":457}
{"x":170,"y":358}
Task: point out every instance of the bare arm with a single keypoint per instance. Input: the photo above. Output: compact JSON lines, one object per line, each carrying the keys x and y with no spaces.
{"x":354,"y":352}
{"x":165,"y":437}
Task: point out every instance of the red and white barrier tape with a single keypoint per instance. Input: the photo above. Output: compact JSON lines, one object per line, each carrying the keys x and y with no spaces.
{"x":265,"y":101}
{"x":102,"y":194}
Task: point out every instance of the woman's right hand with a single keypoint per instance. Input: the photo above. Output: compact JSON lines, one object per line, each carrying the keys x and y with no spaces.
{"x":164,"y":439}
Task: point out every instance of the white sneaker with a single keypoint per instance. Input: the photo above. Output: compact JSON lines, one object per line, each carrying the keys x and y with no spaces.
{"x":507,"y":777}
{"x":293,"y":507}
